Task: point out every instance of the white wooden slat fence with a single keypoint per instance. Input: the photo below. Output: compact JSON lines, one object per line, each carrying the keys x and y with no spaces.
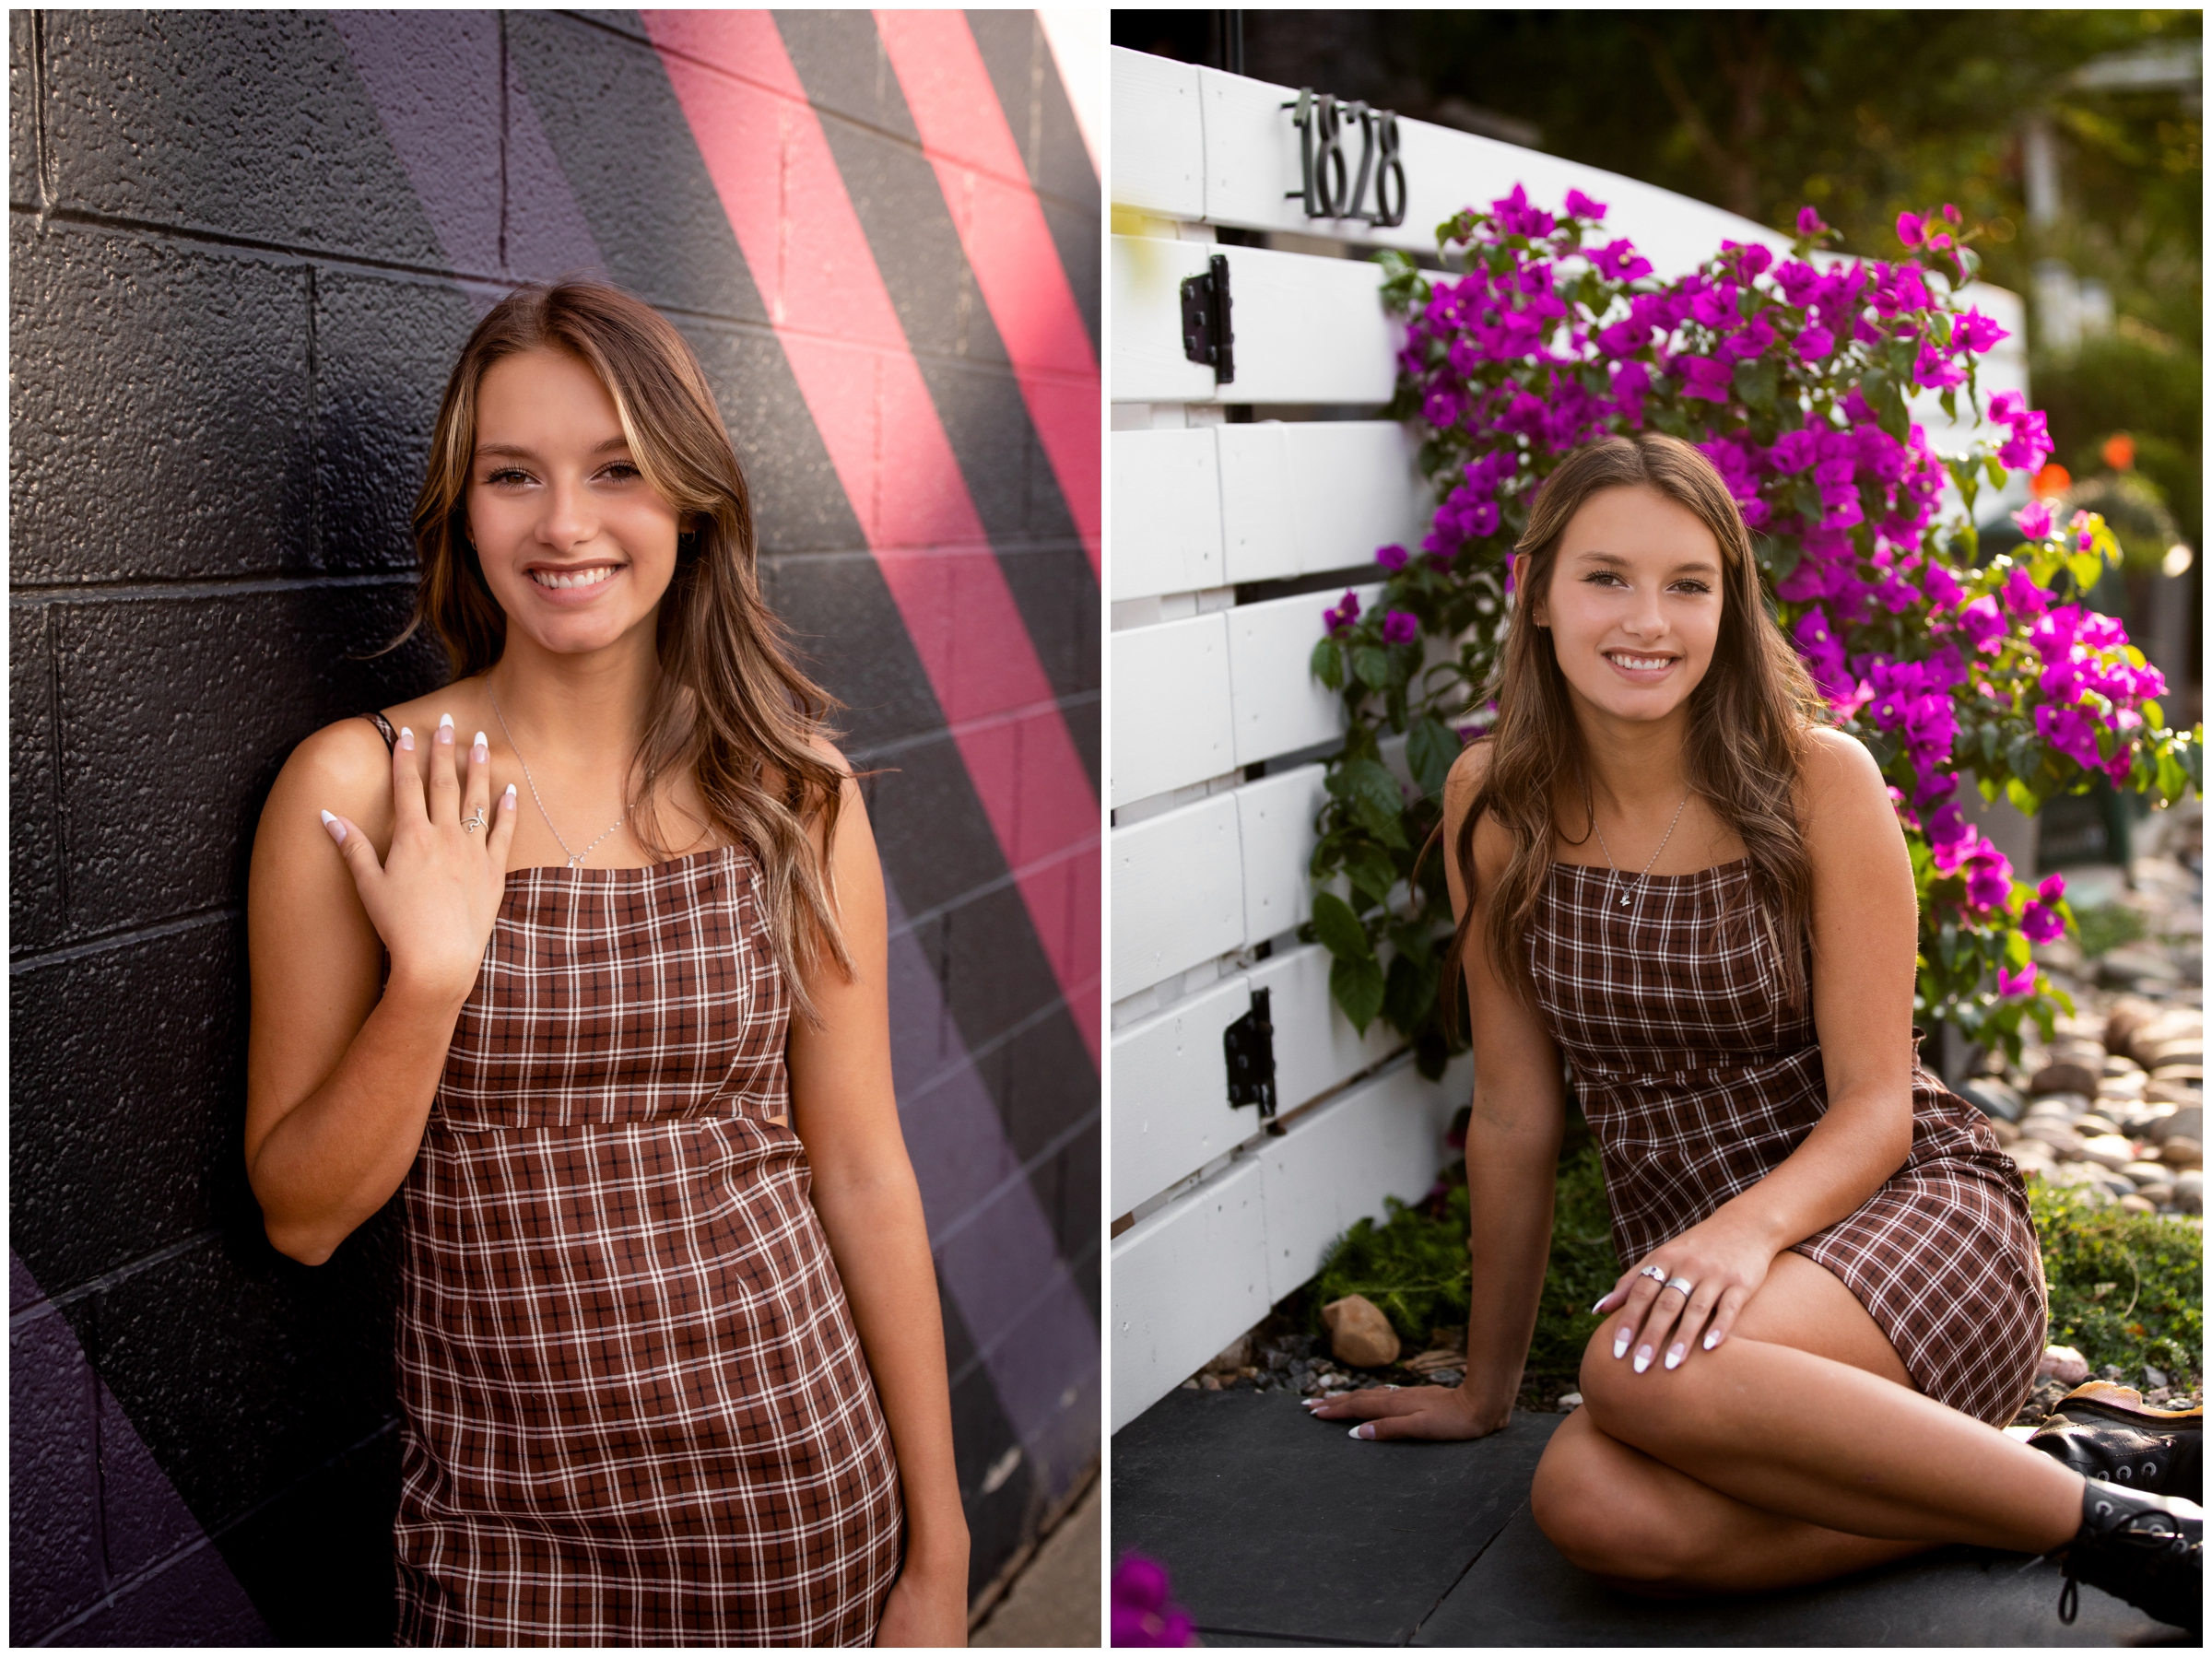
{"x":1216,"y":720}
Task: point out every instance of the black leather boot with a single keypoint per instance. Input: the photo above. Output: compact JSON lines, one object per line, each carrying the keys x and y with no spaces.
{"x":2166,"y":1461}
{"x":2148,"y":1550}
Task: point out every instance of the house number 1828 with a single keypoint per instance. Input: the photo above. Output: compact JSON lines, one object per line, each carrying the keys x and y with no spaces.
{"x":1332,"y":189}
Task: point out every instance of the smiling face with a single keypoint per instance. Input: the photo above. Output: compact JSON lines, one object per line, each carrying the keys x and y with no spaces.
{"x":1634,"y":605}
{"x":575,"y":543}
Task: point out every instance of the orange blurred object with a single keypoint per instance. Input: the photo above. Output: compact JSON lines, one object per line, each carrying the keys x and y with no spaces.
{"x":2054,"y":479}
{"x":2120,"y":452}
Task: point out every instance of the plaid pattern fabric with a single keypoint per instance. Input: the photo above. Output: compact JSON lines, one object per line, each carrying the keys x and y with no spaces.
{"x":1698,"y":1079}
{"x":636,"y":1411}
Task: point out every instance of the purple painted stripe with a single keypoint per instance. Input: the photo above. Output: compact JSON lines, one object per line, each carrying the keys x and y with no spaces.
{"x":1000,"y":1264}
{"x":100,"y":1544}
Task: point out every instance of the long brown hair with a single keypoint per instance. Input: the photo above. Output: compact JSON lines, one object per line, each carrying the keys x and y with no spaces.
{"x":730,"y":707}
{"x":1750,"y":720}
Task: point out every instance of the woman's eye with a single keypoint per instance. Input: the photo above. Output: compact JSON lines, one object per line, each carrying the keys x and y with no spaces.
{"x":1693,"y":587}
{"x":623,"y":472}
{"x":506,"y":475}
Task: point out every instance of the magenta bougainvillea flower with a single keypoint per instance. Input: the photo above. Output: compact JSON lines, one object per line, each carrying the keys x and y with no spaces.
{"x":1143,"y":1615}
{"x":1796,"y":373}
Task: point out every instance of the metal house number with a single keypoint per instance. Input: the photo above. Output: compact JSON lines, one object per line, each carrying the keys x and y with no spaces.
{"x":1332,"y":189}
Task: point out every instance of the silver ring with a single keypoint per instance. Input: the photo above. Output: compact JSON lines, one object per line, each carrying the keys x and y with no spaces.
{"x":1683,"y":1284}
{"x":1657,"y":1274}
{"x":471,"y":824}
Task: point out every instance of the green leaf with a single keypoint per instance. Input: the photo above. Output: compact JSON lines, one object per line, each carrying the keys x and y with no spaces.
{"x":1357,"y":987}
{"x":1372,"y":664}
{"x":1328,"y":664}
{"x":1431,"y":749}
{"x":1369,"y":783}
{"x":1756,"y":383}
{"x":1370,"y":869}
{"x":1336,"y":926}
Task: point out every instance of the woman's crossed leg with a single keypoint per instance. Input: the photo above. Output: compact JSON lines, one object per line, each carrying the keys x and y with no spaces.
{"x":1795,"y":1453}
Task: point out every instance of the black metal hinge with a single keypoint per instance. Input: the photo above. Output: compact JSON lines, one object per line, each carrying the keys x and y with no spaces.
{"x":1206,"y":337}
{"x":1249,"y":1046}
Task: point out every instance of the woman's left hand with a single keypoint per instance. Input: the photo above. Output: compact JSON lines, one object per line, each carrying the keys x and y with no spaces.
{"x":924,"y":1610}
{"x":1723,"y":1260}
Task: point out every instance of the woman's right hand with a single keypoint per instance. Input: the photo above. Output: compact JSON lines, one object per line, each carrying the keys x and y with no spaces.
{"x":1412,"y":1413}
{"x":435,"y":894}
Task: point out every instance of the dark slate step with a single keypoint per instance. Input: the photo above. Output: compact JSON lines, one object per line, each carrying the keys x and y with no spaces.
{"x":1278,"y":1530}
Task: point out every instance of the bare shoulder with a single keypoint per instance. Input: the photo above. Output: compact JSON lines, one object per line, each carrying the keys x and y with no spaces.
{"x":345,"y":769}
{"x":1493,"y":846}
{"x":1844,"y":799}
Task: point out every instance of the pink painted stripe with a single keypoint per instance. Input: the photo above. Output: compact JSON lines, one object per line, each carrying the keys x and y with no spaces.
{"x":1009,"y":247}
{"x":764,"y":148}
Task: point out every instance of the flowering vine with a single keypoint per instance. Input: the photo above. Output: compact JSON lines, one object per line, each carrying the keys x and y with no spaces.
{"x":1793,"y":375}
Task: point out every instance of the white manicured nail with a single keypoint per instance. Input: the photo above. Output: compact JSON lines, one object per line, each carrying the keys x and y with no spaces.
{"x":507,"y":799}
{"x":481,"y":751}
{"x":337,"y":830}
{"x":1601,"y":1300}
{"x":1366,"y":1429}
{"x":1643,"y":1359}
{"x":445,"y":727}
{"x":1712,"y":1339}
{"x":1675,"y":1353}
{"x":1621,"y":1341}
{"x":406,"y":738}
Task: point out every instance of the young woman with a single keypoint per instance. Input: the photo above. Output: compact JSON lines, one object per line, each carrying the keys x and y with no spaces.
{"x":1666,"y":874}
{"x":601,"y":992}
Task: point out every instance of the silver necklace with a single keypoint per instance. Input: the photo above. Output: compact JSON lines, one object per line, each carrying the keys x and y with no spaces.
{"x":1601,"y":841}
{"x":575,"y":858}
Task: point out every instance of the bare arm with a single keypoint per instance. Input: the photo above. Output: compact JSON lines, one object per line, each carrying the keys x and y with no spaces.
{"x":845,"y":1111}
{"x":1865,"y":928}
{"x":339,"y":1078}
{"x":1514,"y":1130}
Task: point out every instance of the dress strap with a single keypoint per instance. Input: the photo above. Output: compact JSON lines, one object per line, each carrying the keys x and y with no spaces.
{"x":383,"y":729}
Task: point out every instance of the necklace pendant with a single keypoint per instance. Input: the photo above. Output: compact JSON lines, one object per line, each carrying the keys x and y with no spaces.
{"x":1624,"y":900}
{"x":577,"y":863}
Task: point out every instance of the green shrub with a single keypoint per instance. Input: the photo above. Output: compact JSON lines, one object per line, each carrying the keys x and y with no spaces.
{"x":2125,"y":1288}
{"x":2107,"y":926}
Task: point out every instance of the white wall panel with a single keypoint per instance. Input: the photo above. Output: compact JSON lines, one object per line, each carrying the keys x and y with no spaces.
{"x":1259,"y":542}
{"x":1159,"y":146}
{"x":1172,"y":723}
{"x":1315,"y":1046}
{"x":1275,"y":823}
{"x":1280,"y":706}
{"x":1178,"y":892}
{"x":1383,"y":1138}
{"x":1166,"y":534}
{"x":1144,"y":300}
{"x":1187,"y":1281}
{"x":1171,"y":1114}
{"x":1352,"y":487}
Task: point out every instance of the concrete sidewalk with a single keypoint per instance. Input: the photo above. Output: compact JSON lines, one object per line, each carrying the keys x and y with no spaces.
{"x":1278,"y":1530}
{"x":1055,"y":1600}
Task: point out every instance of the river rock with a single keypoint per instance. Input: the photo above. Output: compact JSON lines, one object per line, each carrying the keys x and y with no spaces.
{"x":2108,"y":1150}
{"x":2063,"y":1363}
{"x":2063,"y":1140}
{"x":1231,"y":1358}
{"x":2134,"y":964}
{"x":1569,"y":1401}
{"x":2128,"y":1015}
{"x":2136,"y":1203}
{"x":2186,"y":1121}
{"x":2122,"y":1089}
{"x":2181,"y":1151}
{"x":2148,"y":1173}
{"x":1358,"y":1332}
{"x":2004,"y":1133}
{"x":2067,"y":1075}
{"x":2177,"y":1090}
{"x":2180,"y":1050}
{"x":2090,"y":1124}
{"x":2189,"y":1191}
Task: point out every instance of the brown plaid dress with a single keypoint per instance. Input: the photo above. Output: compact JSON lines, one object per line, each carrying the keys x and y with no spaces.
{"x":1698,"y":1079}
{"x":636,"y":1412}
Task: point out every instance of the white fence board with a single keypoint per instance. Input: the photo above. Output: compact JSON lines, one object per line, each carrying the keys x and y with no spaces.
{"x":1275,"y":826}
{"x":1144,"y":300}
{"x":1171,"y":1114}
{"x":1187,"y":1281}
{"x":1159,"y":145}
{"x":1172,"y":723}
{"x":1166,"y":533}
{"x":1178,"y":892}
{"x":1383,"y":1138}
{"x":1259,"y":540}
{"x":1315,"y":1046}
{"x":1354,"y":486}
{"x":1280,"y":706}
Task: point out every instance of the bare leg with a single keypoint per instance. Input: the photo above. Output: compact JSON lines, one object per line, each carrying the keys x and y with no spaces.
{"x":1646,"y":1528}
{"x":1802,"y":1452}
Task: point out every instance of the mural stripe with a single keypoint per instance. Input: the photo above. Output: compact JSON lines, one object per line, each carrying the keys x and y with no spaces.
{"x":1002,"y":230}
{"x":833,"y":313}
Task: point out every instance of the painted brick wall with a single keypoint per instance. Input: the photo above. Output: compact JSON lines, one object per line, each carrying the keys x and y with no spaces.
{"x":244,"y":249}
